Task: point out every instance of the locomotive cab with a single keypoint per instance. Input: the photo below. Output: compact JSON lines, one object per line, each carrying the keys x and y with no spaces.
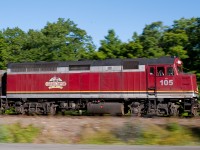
{"x":174,"y":88}
{"x":165,"y":79}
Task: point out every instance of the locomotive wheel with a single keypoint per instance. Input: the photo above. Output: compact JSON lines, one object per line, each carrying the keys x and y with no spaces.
{"x":194,"y":109}
{"x":135,"y":109}
{"x":174,"y":110}
{"x":52,"y":110}
{"x":1,"y":111}
{"x":195,"y":112}
{"x":22,"y":110}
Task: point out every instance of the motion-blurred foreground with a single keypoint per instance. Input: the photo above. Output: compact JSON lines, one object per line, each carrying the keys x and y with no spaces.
{"x":100,"y":130}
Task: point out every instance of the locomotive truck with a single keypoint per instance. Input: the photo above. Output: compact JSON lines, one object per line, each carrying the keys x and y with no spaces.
{"x":139,"y":86}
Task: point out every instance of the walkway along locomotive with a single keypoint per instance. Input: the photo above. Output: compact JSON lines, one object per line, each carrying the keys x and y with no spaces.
{"x":116,"y":86}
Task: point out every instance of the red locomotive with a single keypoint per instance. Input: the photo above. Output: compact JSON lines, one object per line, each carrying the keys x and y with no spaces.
{"x":116,"y":86}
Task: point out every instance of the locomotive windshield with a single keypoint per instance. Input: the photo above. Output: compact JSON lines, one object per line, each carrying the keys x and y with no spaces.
{"x":179,"y":69}
{"x":170,"y":71}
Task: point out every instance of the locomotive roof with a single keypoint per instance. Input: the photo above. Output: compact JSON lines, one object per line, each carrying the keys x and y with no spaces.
{"x":107,"y":62}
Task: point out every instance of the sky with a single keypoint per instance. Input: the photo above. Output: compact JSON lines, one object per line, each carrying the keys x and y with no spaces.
{"x":96,"y":17}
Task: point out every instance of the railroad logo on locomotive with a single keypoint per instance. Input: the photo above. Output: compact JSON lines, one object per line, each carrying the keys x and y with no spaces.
{"x":55,"y":83}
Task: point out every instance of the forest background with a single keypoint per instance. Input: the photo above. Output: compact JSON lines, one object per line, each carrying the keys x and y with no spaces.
{"x":63,"y":40}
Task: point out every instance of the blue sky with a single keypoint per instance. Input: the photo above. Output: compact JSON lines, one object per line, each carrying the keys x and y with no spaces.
{"x":96,"y":16}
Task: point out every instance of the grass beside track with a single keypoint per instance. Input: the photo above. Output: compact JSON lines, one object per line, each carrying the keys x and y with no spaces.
{"x":16,"y":133}
{"x":133,"y":133}
{"x":140,"y":134}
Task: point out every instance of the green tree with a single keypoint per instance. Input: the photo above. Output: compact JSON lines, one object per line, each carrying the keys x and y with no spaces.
{"x":174,"y":43}
{"x":65,"y":41}
{"x":134,"y":48}
{"x":191,"y":29}
{"x":35,"y":48}
{"x":61,"y":40}
{"x":110,"y":46}
{"x":150,"y":39}
{"x":15,"y":39}
{"x":4,"y":54}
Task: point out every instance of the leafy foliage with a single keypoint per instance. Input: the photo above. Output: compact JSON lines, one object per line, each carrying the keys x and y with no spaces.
{"x":111,"y":46}
{"x":58,"y":41}
{"x":150,"y":40}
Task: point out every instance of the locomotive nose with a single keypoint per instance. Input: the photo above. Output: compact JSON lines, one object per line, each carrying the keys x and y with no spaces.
{"x":195,"y":86}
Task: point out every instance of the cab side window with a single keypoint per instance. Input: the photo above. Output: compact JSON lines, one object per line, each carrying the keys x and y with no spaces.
{"x":152,"y":71}
{"x":170,"y":71}
{"x":160,"y":71}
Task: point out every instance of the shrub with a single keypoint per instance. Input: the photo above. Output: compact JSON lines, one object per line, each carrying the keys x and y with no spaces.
{"x":128,"y":132}
{"x":16,"y":133}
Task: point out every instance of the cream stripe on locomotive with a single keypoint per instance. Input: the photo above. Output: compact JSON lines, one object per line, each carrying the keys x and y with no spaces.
{"x":140,"y":95}
{"x":10,"y":92}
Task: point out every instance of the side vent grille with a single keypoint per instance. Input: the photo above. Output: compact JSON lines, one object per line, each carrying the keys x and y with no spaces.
{"x":130,"y":65}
